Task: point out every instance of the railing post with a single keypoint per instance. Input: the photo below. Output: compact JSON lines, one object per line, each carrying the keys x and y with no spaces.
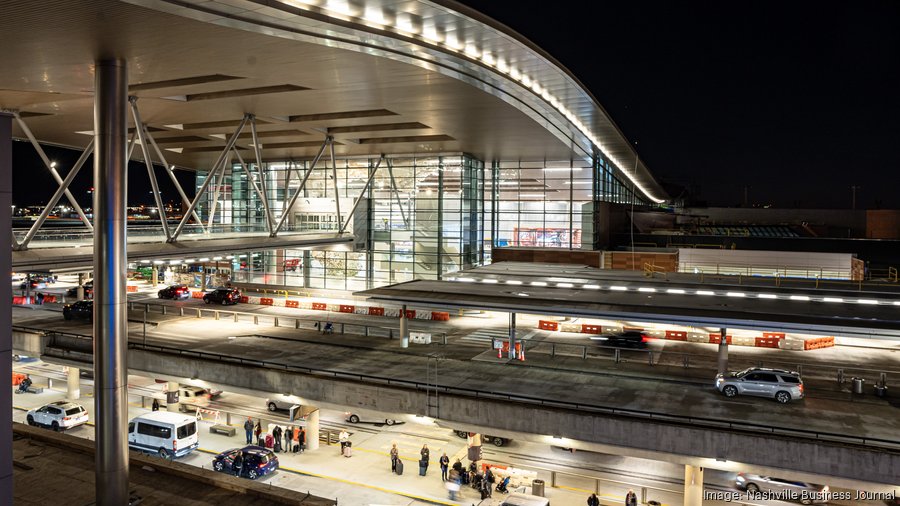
{"x":552,"y":479}
{"x":650,"y":357}
{"x":255,"y":319}
{"x":584,"y":352}
{"x":342,"y":327}
{"x":235,"y":314}
{"x":552,"y":350}
{"x":686,"y":360}
{"x":390,"y":333}
{"x":840,"y":376}
{"x":296,"y":323}
{"x":198,"y":313}
{"x":618,"y":355}
{"x":164,"y":309}
{"x":181,"y":311}
{"x":643,"y":495}
{"x":276,"y":321}
{"x":145,"y":325}
{"x":366,"y":330}
{"x":217,"y":314}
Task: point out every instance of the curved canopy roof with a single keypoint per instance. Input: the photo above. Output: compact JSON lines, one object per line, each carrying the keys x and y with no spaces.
{"x":381,"y":76}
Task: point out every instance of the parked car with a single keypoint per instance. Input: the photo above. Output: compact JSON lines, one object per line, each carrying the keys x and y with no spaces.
{"x":495,"y":440}
{"x":58,"y":415}
{"x":83,"y":309}
{"x":223,"y":296}
{"x":175,"y":292}
{"x":781,"y":385}
{"x":355,"y":418}
{"x":257,"y":461}
{"x":627,"y":339}
{"x":795,"y":491}
{"x":164,"y":433}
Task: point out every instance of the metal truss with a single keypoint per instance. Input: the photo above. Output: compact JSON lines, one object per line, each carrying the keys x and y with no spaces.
{"x":396,"y":193}
{"x":145,"y":149}
{"x":270,"y":220}
{"x":293,"y":200}
{"x":361,"y":194}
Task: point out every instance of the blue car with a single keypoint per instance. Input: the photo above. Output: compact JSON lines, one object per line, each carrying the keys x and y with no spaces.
{"x":257,"y":461}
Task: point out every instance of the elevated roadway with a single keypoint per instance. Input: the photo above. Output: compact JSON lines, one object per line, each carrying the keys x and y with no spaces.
{"x":665,"y":419}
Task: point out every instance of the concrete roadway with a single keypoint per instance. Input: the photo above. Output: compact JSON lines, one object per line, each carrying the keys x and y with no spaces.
{"x":365,"y":480}
{"x":472,"y":367}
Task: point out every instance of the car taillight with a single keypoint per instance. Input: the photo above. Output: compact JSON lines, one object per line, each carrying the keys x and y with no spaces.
{"x":67,"y":418}
{"x":645,"y":339}
{"x":174,"y":445}
{"x":262,"y":464}
{"x":801,"y":387}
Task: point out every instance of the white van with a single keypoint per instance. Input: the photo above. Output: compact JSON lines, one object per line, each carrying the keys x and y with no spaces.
{"x":167,"y":434}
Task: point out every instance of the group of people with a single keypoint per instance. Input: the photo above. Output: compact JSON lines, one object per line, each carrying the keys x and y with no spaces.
{"x":294,"y":438}
{"x":24,"y":384}
{"x":630,"y":499}
{"x":484,"y":482}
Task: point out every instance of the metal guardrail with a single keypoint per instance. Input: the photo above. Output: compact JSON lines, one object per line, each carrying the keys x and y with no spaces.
{"x":691,"y":421}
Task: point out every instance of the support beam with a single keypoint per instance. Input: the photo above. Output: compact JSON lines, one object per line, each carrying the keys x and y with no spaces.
{"x":256,"y":189}
{"x":512,"y":336}
{"x":293,"y":200}
{"x":145,"y":149}
{"x":361,"y":194}
{"x":219,"y":164}
{"x":723,"y":352}
{"x":6,"y":454}
{"x":64,"y":187}
{"x":185,"y":201}
{"x":334,"y":177}
{"x":220,"y":182}
{"x":73,"y":383}
{"x":404,"y":331}
{"x":110,"y":302}
{"x":154,"y":275}
{"x":79,"y":292}
{"x":312,"y":430}
{"x":51,"y":167}
{"x":131,"y":146}
{"x":172,"y":398}
{"x":693,"y":486}
{"x":257,"y":150}
{"x":396,"y":192}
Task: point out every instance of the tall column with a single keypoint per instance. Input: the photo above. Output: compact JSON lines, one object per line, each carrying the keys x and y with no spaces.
{"x":172,"y":400}
{"x":723,"y":352}
{"x":312,"y":430}
{"x":404,"y":334}
{"x":154,"y":275}
{"x":203,"y":278}
{"x":693,"y":486}
{"x":73,"y":383}
{"x":512,"y":335}
{"x":6,"y":458}
{"x":110,"y":318}
{"x":79,"y":292}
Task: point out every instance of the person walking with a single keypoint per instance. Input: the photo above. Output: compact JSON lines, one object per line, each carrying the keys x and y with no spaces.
{"x":453,"y":484}
{"x":395,"y":456}
{"x":593,"y":500}
{"x":248,"y":429}
{"x":423,"y":461}
{"x":445,"y":465}
{"x":258,"y":433}
{"x":155,"y":405}
{"x":40,"y":299}
{"x":630,"y":498}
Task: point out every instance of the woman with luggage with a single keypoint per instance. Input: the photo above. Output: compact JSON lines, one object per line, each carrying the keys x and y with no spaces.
{"x":258,"y":433}
{"x":423,"y":462}
{"x":395,"y":458}
{"x":276,"y":435}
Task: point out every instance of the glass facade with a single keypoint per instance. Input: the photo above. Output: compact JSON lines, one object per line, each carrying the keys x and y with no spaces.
{"x":420,"y":218}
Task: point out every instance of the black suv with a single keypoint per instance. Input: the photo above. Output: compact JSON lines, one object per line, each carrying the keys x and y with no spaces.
{"x":175,"y":292}
{"x":82,"y":309}
{"x":88,"y":290}
{"x":223,"y":296}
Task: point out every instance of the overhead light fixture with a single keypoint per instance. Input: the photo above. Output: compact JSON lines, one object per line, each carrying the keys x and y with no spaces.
{"x":466,"y":280}
{"x":675,"y":290}
{"x":838,"y":299}
{"x":489,"y":281}
{"x":705,"y":292}
{"x":591,"y":287}
{"x":767,"y":296}
{"x":867,"y":301}
{"x":736,"y":294}
{"x":513,"y":282}
{"x":799,"y":297}
{"x":619,"y":288}
{"x":565,"y":285}
{"x":646,"y":289}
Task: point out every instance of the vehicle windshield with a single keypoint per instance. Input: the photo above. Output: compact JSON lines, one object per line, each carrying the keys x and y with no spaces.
{"x":187,"y":430}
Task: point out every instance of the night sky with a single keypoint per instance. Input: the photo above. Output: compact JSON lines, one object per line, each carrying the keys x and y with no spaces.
{"x":797,"y":99}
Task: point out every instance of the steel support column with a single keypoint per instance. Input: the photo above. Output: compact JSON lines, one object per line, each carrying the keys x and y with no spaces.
{"x":110,"y":302}
{"x":337,"y":196}
{"x":693,"y":486}
{"x":404,"y":331}
{"x":6,"y":456}
{"x":723,"y":352}
{"x":512,"y":336}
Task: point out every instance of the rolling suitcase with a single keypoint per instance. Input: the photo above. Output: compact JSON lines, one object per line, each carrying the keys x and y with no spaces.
{"x":270,"y":441}
{"x":347,"y":452}
{"x":278,"y":446}
{"x":423,"y":466}
{"x":399,"y":467}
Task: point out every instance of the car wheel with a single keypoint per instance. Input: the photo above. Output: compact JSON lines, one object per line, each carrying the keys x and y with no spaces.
{"x":498,"y":441}
{"x":31,"y":421}
{"x":252,"y":474}
{"x":273,"y":407}
{"x":55,"y":426}
{"x":463,"y":434}
{"x":730,"y":391}
{"x":219,"y":466}
{"x":783,"y":397}
{"x":752,"y":488}
{"x":353,"y":419}
{"x":206,"y":300}
{"x":164,"y":454}
{"x":390,"y":422}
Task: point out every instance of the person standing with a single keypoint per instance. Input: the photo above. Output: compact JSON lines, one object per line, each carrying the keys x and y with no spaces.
{"x":445,"y":465}
{"x":423,"y":461}
{"x":276,"y":434}
{"x":155,"y":405}
{"x":248,"y":429}
{"x":288,"y":438}
{"x":395,"y":456}
{"x":302,"y":439}
{"x":630,"y":498}
{"x":258,"y":433}
{"x":593,"y":500}
{"x":343,"y":437}
{"x":238,"y":463}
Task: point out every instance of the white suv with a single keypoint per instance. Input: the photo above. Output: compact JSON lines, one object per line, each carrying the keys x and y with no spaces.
{"x":58,"y":415}
{"x":773,"y":383}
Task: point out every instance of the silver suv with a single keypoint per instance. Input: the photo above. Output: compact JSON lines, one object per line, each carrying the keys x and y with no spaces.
{"x":783,"y":490}
{"x":58,"y":415}
{"x":773,"y":383}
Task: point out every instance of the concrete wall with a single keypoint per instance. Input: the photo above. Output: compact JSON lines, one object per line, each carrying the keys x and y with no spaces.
{"x":684,"y":444}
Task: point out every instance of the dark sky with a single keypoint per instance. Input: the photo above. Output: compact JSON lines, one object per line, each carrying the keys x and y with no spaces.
{"x":798,"y":99}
